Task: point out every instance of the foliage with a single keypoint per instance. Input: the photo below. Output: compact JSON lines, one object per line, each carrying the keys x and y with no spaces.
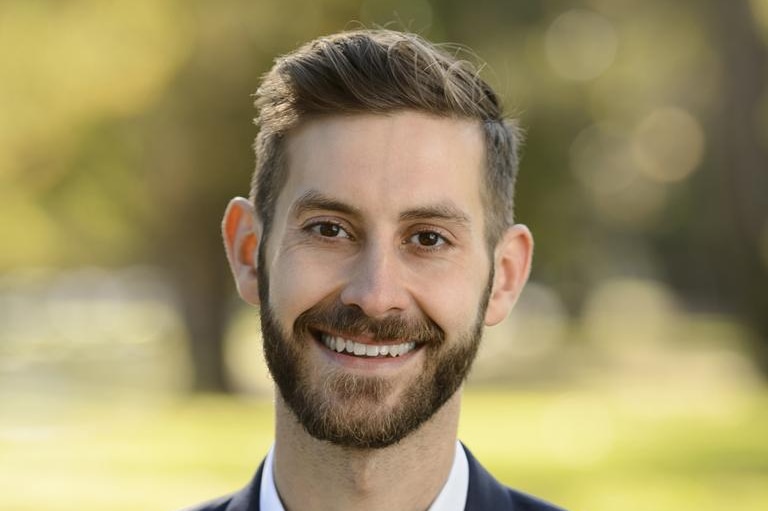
{"x":126,"y":126}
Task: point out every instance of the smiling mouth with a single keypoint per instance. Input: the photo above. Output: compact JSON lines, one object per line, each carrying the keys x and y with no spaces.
{"x":358,"y":349}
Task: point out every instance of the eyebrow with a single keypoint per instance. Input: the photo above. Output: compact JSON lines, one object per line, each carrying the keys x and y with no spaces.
{"x":446,"y":211}
{"x":314,"y":200}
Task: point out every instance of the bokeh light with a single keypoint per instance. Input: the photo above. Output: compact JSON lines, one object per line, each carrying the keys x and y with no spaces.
{"x":577,"y":431}
{"x":630,"y":316}
{"x":581,"y":44}
{"x":668,"y":144}
{"x":244,"y":353}
{"x":639,"y":205}
{"x":600,"y":158}
{"x":521,"y":345}
{"x":627,"y":377}
{"x":760,"y":13}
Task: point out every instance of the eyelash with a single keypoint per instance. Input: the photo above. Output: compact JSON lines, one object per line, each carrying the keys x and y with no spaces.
{"x":442,"y":243}
{"x":314,"y":229}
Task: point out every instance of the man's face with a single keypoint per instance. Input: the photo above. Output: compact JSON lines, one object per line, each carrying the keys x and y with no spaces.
{"x":376,"y":273}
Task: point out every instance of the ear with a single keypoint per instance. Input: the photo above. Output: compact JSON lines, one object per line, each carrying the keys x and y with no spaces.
{"x":512,"y":265}
{"x":241,"y":240}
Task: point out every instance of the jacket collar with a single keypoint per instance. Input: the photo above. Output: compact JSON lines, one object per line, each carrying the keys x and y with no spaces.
{"x":484,"y":491}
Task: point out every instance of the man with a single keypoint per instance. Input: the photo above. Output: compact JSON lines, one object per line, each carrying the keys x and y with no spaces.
{"x":378,"y":242}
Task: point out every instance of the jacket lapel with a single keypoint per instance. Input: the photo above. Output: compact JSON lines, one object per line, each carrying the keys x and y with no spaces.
{"x":248,"y":498}
{"x":484,"y":492}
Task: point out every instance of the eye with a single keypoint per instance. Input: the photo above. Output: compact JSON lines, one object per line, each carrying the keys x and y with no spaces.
{"x":428,"y":239}
{"x":328,"y":230}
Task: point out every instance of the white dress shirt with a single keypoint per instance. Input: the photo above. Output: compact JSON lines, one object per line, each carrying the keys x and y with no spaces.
{"x":452,"y":497}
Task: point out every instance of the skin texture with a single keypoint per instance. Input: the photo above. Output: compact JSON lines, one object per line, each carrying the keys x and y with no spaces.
{"x":381,"y":214}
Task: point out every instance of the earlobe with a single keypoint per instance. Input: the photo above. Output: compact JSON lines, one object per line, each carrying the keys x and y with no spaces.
{"x":512,"y":265}
{"x":241,"y":239}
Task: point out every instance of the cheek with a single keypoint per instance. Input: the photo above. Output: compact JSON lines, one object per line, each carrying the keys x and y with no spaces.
{"x":297,"y":284}
{"x":453,"y":300}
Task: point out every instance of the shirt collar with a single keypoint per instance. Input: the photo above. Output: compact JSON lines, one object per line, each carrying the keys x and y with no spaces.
{"x":452,"y":497}
{"x":268,"y":497}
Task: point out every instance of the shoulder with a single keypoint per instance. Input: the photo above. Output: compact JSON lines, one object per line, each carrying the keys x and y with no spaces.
{"x":220,"y":504}
{"x":246,"y":499}
{"x":486,"y":493}
{"x":524,"y":502}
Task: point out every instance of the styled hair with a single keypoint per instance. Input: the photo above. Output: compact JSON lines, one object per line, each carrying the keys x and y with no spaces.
{"x":380,"y":71}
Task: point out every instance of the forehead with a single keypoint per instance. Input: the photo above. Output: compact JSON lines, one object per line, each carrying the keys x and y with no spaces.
{"x":387,"y":163}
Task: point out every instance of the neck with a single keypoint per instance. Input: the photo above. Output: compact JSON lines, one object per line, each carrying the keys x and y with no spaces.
{"x":311,"y":474}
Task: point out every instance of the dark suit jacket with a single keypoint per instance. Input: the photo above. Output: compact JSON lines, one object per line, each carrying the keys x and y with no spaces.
{"x":485,"y":494}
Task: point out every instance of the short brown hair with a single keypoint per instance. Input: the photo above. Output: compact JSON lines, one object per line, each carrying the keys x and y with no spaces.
{"x":380,"y":71}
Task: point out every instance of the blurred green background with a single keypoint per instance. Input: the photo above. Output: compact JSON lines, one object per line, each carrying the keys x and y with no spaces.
{"x":632,"y":374}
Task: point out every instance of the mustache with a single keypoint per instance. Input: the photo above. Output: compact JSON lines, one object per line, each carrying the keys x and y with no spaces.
{"x":351,"y":320}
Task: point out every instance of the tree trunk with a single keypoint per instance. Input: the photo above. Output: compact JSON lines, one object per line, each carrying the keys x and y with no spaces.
{"x":741,"y":157}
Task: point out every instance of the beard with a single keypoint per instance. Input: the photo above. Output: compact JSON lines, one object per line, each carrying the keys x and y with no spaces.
{"x":349,"y":410}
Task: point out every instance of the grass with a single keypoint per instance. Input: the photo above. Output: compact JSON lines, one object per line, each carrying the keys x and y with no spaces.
{"x":586,"y":450}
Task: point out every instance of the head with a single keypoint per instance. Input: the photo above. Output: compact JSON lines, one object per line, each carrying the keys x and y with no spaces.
{"x":382,"y":219}
{"x":380,"y":71}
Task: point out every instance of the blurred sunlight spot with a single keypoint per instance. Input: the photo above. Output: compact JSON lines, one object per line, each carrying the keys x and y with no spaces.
{"x":520,"y":345}
{"x":20,"y":322}
{"x":243,"y":356}
{"x":92,"y":305}
{"x":89,"y":329}
{"x":669,"y":54}
{"x":75,"y":307}
{"x":709,"y":383}
{"x":636,"y":206}
{"x":538,"y":323}
{"x":668,"y":144}
{"x":581,"y":44}
{"x":760,"y":14}
{"x":414,"y":15}
{"x":577,"y":430}
{"x":600,"y":158}
{"x":630,"y":317}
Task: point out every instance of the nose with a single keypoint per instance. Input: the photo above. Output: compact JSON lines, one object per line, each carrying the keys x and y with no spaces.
{"x":375,"y":283}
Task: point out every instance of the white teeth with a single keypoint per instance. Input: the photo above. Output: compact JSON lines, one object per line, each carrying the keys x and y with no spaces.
{"x":340,"y":345}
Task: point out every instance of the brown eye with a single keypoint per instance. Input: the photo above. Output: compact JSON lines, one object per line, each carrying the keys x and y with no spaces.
{"x":427,"y":239}
{"x":329,"y":230}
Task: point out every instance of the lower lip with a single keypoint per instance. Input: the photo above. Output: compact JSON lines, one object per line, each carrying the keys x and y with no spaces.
{"x":367,"y":363}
